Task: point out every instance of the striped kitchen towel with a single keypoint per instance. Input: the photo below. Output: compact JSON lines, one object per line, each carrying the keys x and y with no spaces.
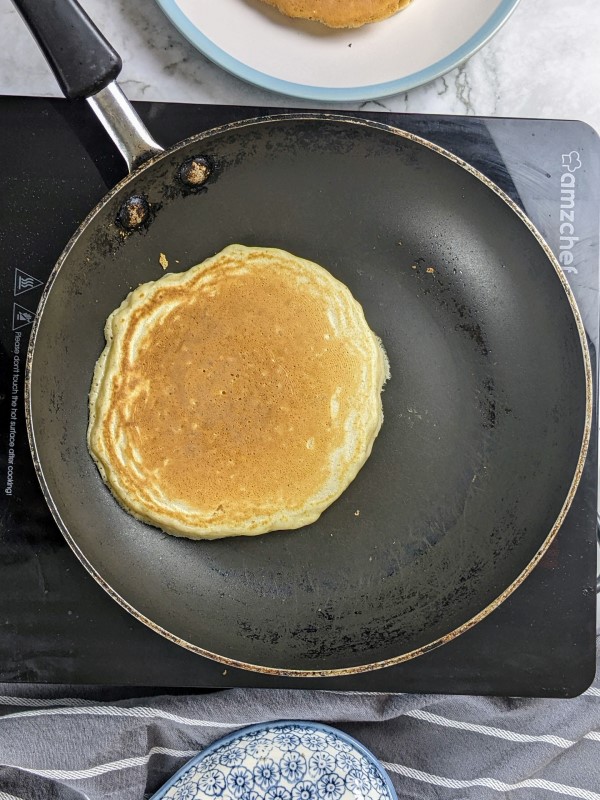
{"x":459,"y":748}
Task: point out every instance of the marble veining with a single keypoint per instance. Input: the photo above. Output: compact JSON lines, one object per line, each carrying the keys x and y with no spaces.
{"x":545,"y":62}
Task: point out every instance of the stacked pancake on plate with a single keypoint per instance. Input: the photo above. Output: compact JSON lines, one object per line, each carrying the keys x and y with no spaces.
{"x":340,"y":13}
{"x":238,"y":397}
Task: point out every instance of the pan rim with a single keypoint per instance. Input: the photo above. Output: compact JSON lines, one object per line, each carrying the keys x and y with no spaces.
{"x":360,"y":668}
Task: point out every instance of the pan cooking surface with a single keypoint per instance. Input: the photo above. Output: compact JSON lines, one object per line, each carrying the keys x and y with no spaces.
{"x":484,"y":414}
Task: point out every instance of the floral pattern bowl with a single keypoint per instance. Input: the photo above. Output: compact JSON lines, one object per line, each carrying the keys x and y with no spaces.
{"x":281,"y":761}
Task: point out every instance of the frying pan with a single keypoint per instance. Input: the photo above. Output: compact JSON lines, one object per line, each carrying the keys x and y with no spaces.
{"x":487,"y":413}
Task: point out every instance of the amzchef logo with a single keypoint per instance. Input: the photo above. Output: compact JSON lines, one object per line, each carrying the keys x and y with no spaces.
{"x":571,"y":162}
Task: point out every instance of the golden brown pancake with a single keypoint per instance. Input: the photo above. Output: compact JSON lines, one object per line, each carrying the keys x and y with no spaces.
{"x":340,"y":13}
{"x":236,"y":398}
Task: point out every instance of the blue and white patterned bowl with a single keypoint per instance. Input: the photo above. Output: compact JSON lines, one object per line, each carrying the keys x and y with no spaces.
{"x":281,"y":761}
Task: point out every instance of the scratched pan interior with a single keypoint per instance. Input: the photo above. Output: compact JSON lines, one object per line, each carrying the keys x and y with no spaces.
{"x":484,"y":413}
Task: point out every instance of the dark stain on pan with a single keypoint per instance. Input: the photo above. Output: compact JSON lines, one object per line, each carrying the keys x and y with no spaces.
{"x":487,"y":402}
{"x":473,"y":330}
{"x":133,"y":212}
{"x":194,"y":172}
{"x":194,"y":176}
{"x":434,"y":283}
{"x":135,"y":215}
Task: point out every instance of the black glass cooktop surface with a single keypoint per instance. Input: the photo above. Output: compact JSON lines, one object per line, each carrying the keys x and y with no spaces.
{"x":58,"y":626}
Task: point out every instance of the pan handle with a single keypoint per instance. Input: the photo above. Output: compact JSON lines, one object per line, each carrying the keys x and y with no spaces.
{"x":85,"y":65}
{"x":125,"y":128}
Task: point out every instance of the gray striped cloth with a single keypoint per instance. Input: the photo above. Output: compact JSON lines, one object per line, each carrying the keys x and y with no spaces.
{"x":92,"y":747}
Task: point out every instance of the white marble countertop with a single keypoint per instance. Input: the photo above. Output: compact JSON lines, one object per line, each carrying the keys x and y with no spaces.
{"x":545,"y":62}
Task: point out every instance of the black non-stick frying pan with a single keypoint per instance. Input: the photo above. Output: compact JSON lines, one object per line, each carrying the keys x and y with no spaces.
{"x":487,"y":413}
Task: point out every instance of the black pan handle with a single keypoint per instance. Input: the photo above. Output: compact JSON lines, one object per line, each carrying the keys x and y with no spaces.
{"x":85,"y":65}
{"x":82,"y":60}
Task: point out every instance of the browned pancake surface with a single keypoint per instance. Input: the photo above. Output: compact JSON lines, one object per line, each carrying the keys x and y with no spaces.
{"x":229,"y":398}
{"x":340,"y":13}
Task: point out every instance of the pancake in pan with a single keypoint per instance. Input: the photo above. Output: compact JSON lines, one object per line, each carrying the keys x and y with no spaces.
{"x":239,"y":397}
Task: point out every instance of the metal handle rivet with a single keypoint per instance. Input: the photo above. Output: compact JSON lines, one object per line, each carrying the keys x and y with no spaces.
{"x":194,"y":171}
{"x":133,"y":212}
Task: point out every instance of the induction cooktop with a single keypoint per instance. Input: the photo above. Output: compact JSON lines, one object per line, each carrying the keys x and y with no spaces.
{"x":58,"y":626}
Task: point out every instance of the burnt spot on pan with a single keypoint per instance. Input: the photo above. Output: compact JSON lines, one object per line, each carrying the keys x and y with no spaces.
{"x":488,"y":403}
{"x":192,"y":177}
{"x":270,"y":637}
{"x":473,"y":330}
{"x":103,"y":244}
{"x":135,"y":213}
{"x":195,"y":171}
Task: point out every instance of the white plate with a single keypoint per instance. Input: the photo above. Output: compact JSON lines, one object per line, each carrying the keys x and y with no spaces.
{"x":305,"y":59}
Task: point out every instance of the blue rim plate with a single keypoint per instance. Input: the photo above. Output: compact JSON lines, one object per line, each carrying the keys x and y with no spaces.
{"x":302,"y":725}
{"x":230,"y":56}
